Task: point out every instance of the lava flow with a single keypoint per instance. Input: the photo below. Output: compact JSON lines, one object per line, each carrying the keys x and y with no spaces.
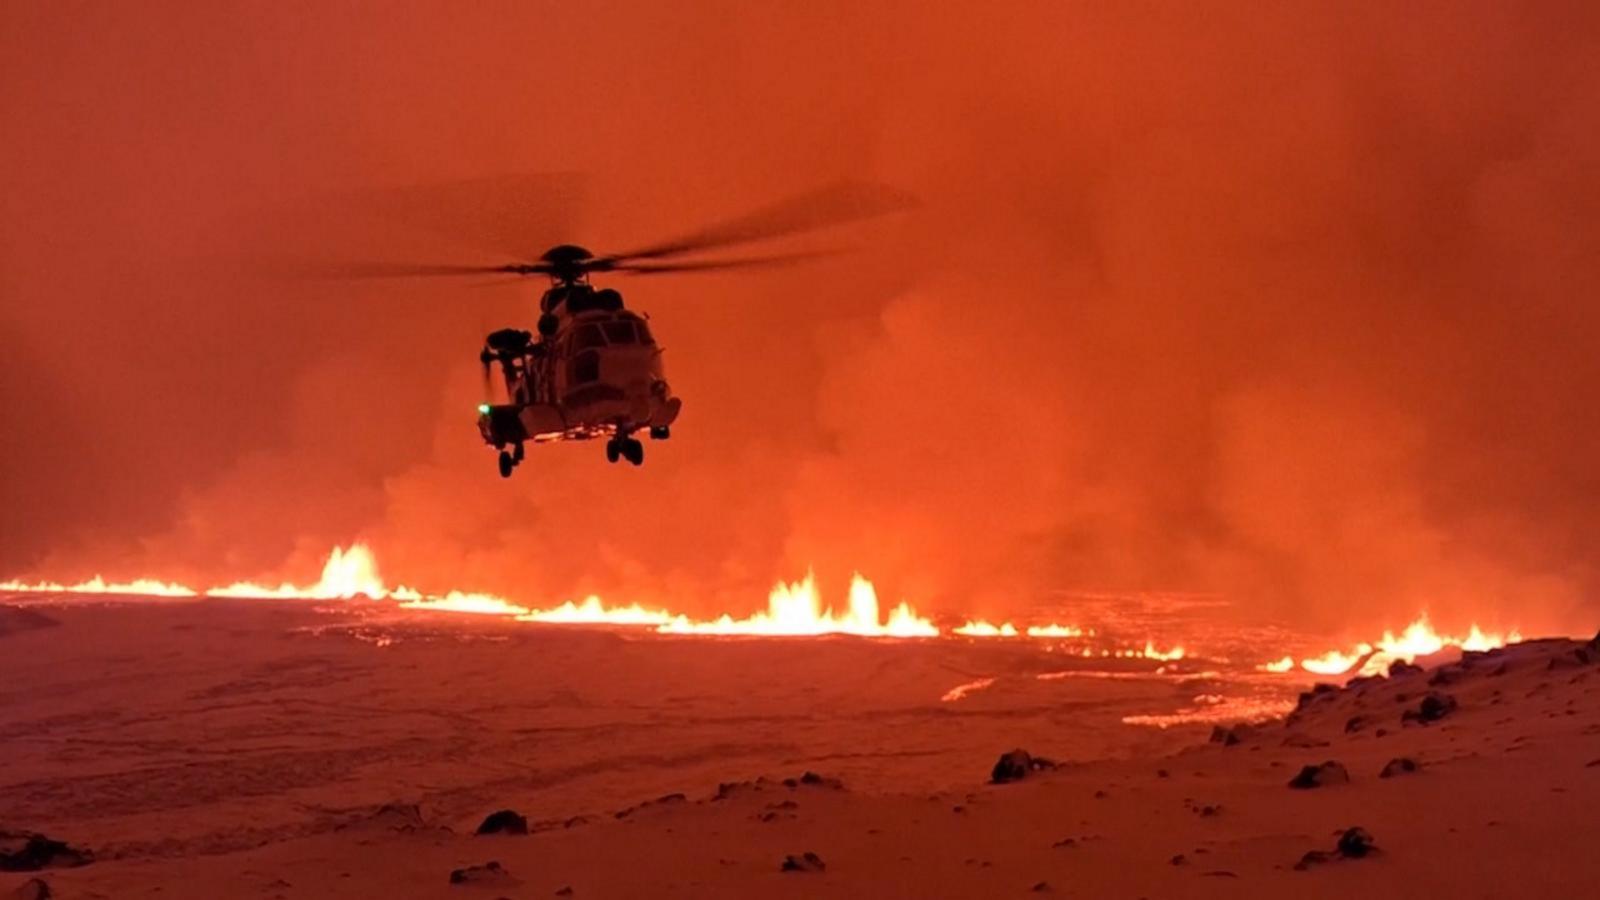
{"x":1418,"y":639}
{"x":793,"y":610}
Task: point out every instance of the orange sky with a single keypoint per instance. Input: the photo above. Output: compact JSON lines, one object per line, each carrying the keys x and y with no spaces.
{"x":1295,"y":304}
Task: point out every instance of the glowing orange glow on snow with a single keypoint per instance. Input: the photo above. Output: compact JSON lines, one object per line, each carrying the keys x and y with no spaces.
{"x":796,"y":610}
{"x":97,"y":585}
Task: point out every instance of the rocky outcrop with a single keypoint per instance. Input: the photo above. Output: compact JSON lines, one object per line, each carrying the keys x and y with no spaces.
{"x":504,"y":821}
{"x":1016,"y":765}
{"x":1326,"y":774}
{"x":24,"y":851}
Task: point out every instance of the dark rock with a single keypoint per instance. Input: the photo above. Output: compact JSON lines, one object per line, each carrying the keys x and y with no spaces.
{"x":17,"y":619}
{"x":1303,"y":740}
{"x":1066,"y":842}
{"x":1312,"y":858}
{"x":1317,"y":692}
{"x":1355,"y":724}
{"x":505,"y":821}
{"x":1445,"y":676}
{"x":564,"y":891}
{"x":1015,"y":766}
{"x":1362,"y":681}
{"x":1381,"y":732}
{"x":1355,"y":843}
{"x":1230,"y":736}
{"x":32,"y":889}
{"x":1163,"y":773}
{"x":24,"y":851}
{"x":1400,"y":765}
{"x":489,"y":873}
{"x":1178,"y":860}
{"x":1040,"y":887}
{"x":1570,"y":660}
{"x":1433,"y":707}
{"x":1400,"y":669}
{"x":1327,"y":774}
{"x":806,"y":862}
{"x":812,"y":779}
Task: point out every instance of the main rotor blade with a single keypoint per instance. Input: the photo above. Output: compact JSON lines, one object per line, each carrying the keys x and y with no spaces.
{"x":836,"y":204}
{"x":757,"y":262}
{"x":339,"y":270}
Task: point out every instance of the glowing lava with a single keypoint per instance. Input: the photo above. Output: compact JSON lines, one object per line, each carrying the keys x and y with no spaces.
{"x":347,"y":574}
{"x":97,"y":585}
{"x":592,"y":612}
{"x":796,"y":610}
{"x":1418,"y":639}
{"x":980,"y":628}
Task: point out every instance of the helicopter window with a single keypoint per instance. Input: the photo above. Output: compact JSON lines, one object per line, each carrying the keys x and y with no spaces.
{"x":588,"y":336}
{"x":619,"y":332}
{"x":586,"y":368}
{"x":644,"y":333}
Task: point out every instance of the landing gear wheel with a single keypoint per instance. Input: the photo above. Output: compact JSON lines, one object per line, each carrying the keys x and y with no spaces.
{"x":633,"y":451}
{"x":506,"y":464}
{"x":660,"y":432}
{"x":613,"y":451}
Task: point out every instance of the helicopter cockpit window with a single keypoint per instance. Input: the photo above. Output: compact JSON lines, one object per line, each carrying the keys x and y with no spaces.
{"x":644,"y":333}
{"x":587,"y":337}
{"x":619,"y":332}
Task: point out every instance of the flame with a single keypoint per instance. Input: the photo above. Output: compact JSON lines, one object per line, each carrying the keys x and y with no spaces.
{"x":97,"y":585}
{"x":593,"y":612}
{"x":347,"y":574}
{"x":981,"y":628}
{"x":796,"y":610}
{"x":477,"y":604}
{"x":1280,"y":666}
{"x":1418,"y":639}
{"x":1058,"y":631}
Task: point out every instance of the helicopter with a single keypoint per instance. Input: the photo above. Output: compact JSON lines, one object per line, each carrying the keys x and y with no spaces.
{"x":591,"y":368}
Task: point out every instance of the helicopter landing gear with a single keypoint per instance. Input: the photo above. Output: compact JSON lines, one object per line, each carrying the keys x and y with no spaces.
{"x":660,"y":432}
{"x":621,"y":447}
{"x":510,"y":459}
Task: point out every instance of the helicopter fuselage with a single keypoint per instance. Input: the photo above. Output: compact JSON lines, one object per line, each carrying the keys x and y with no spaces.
{"x":594,"y":371}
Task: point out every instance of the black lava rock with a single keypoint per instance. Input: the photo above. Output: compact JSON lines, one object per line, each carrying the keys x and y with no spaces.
{"x":505,"y":821}
{"x":1355,"y":843}
{"x":1400,"y":668}
{"x":488,"y":873}
{"x":1400,"y":765}
{"x":805,"y":862}
{"x":1230,"y":736}
{"x":1327,"y":774}
{"x":24,"y":851}
{"x":1433,"y":707}
{"x":1015,"y":766}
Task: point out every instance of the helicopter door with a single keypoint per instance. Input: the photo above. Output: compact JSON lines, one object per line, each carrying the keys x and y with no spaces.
{"x":586,"y":367}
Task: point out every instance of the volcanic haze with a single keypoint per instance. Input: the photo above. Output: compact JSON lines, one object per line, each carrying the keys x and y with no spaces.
{"x":1290,"y":303}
